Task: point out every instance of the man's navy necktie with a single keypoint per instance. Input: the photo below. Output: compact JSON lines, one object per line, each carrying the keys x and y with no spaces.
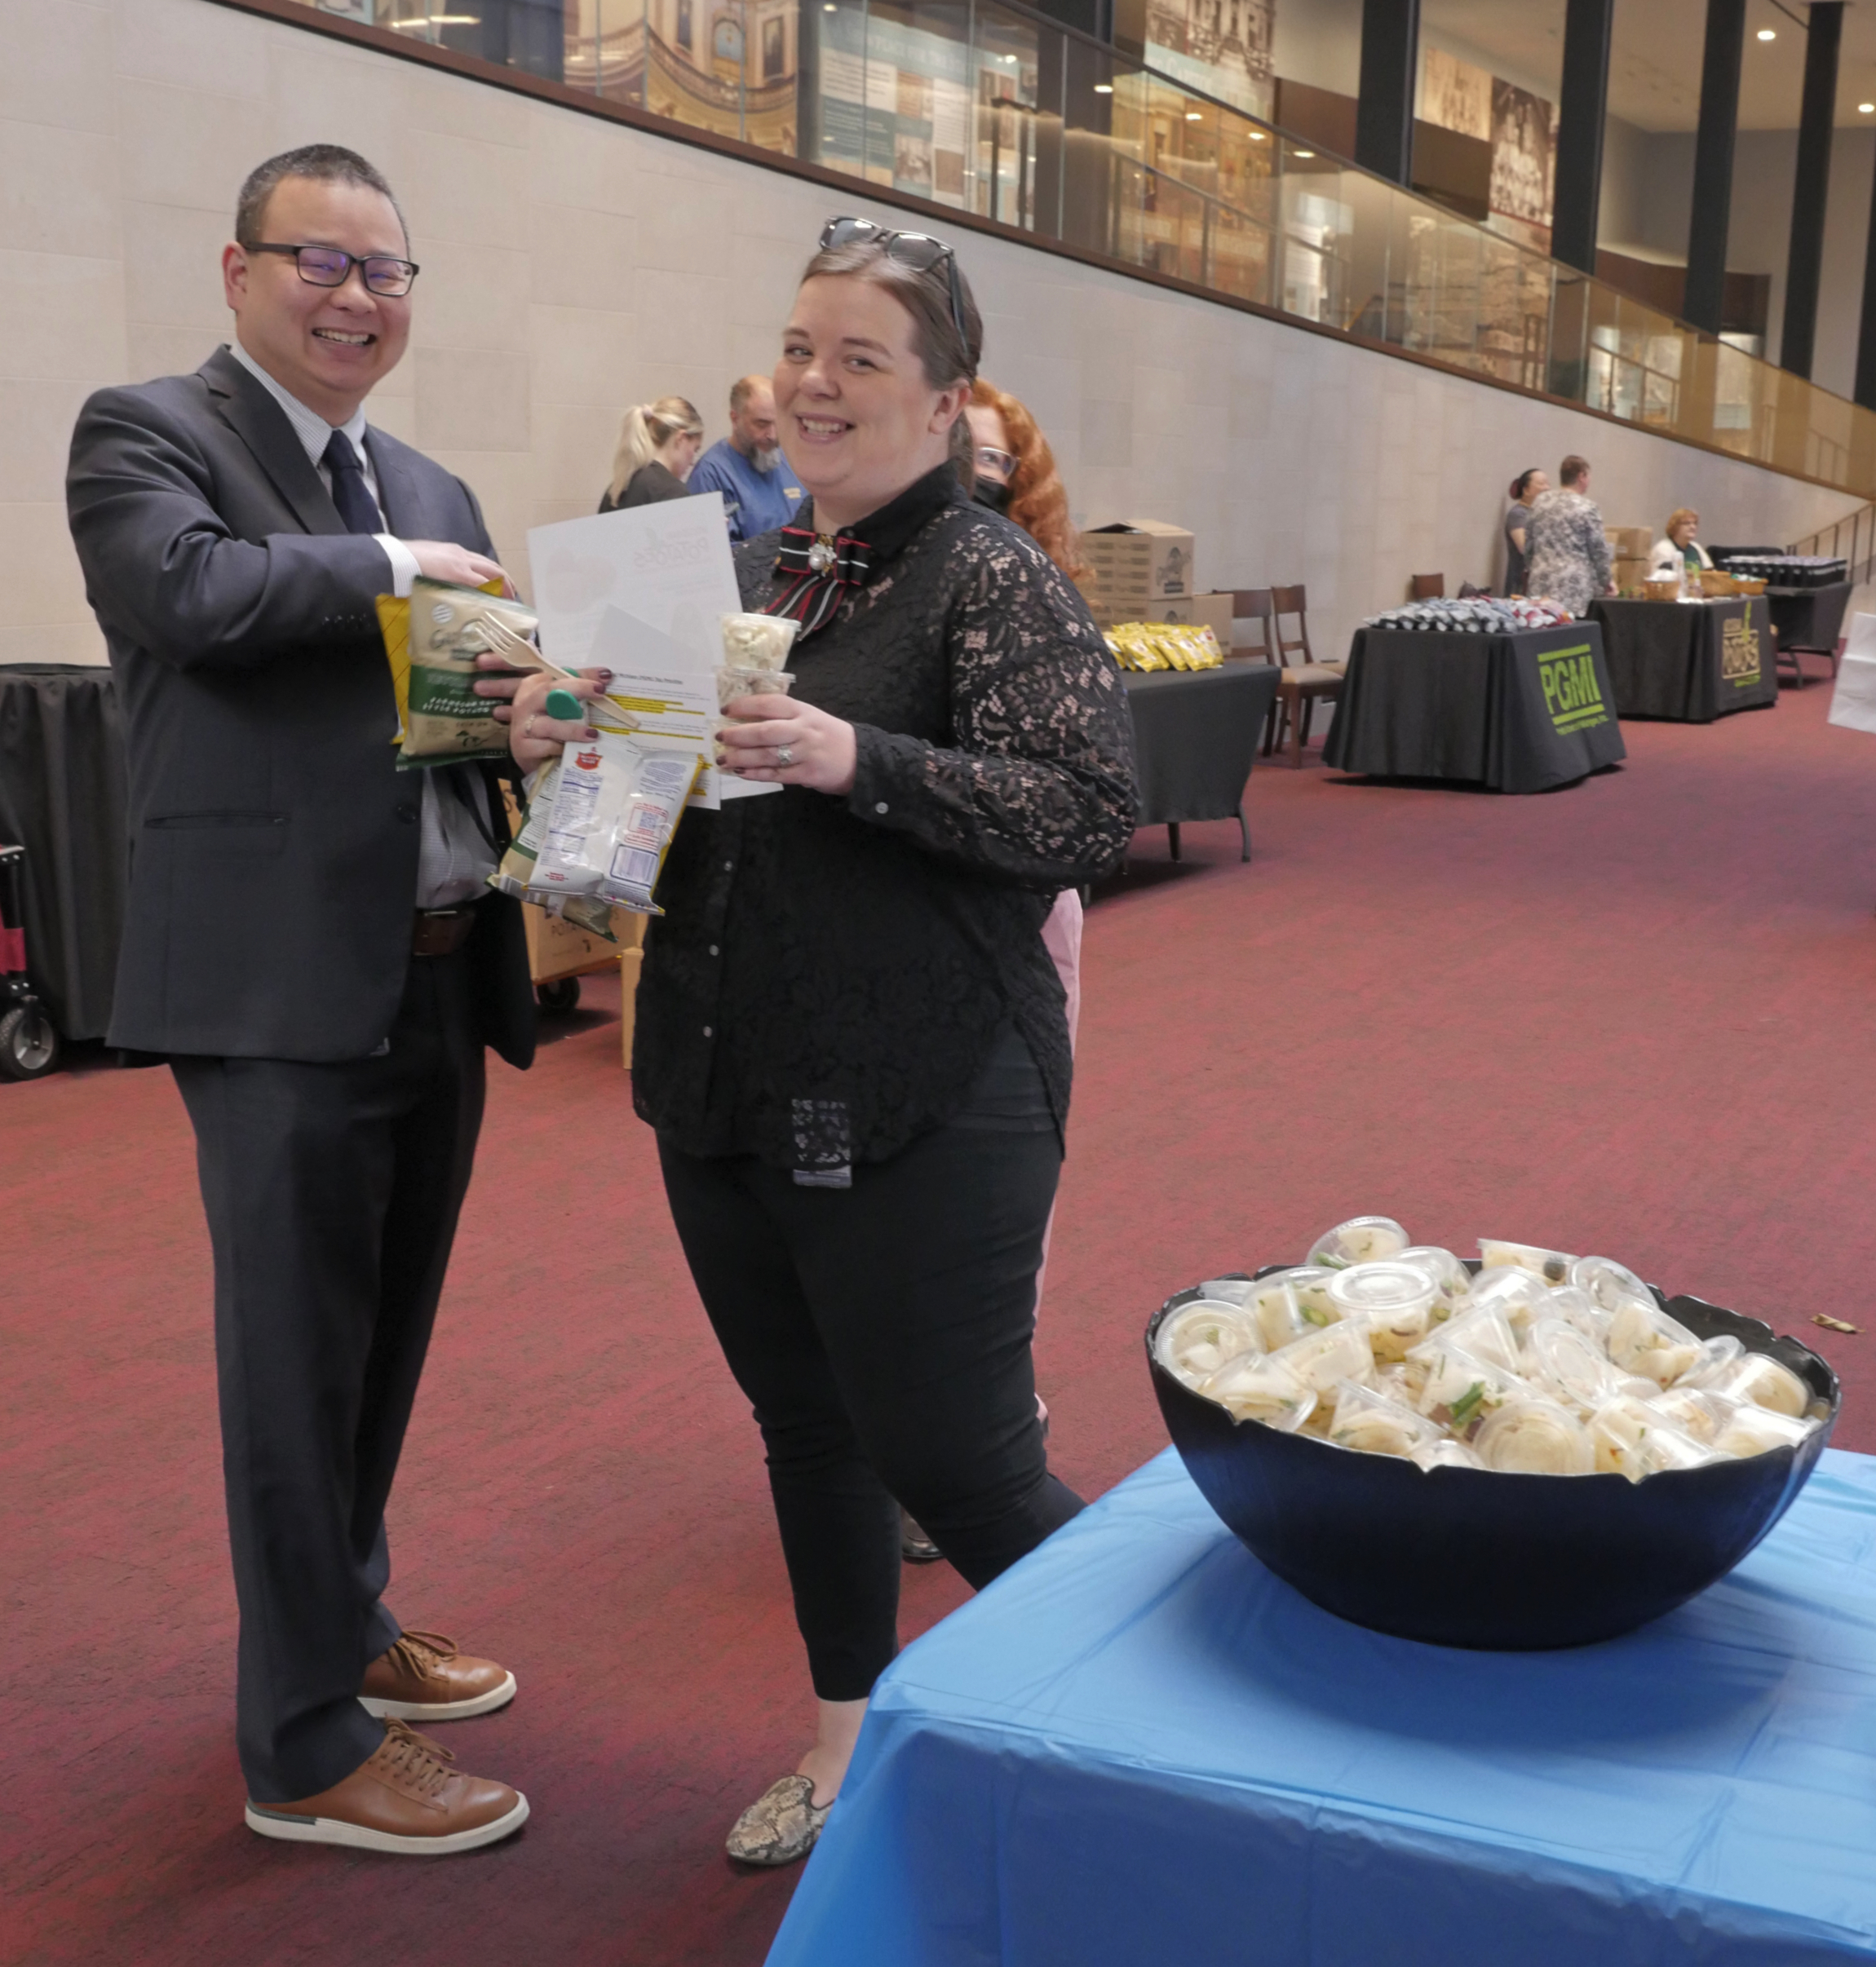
{"x":350,"y":493}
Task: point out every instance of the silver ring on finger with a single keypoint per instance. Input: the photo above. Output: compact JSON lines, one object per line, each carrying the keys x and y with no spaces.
{"x":784,"y":756}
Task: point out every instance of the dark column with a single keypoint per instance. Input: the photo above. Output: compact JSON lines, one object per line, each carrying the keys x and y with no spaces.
{"x":1804,"y":263}
{"x":1389,"y":63}
{"x":1712,"y":165}
{"x":1580,"y":132}
{"x":1865,"y":390}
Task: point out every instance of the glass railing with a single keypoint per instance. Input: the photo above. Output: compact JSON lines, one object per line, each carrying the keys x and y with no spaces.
{"x":995,"y":111}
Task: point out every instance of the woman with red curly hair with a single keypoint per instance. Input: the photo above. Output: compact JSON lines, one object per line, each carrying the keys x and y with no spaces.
{"x":1016,"y":475}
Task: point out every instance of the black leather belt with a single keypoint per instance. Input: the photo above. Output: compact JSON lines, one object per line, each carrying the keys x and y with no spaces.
{"x":439,"y":932}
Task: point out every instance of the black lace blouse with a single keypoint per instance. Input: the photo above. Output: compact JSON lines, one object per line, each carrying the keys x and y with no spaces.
{"x":832,"y":974}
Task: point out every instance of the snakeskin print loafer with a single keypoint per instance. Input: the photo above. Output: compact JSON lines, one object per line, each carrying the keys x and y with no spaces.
{"x":780,"y":1826}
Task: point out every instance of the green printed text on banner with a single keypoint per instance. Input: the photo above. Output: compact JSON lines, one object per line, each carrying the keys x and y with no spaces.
{"x":1573,"y":694}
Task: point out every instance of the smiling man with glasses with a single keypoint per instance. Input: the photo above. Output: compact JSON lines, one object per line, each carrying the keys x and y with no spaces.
{"x":310,"y":943}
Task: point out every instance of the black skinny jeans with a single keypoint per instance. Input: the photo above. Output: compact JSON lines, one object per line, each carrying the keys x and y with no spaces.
{"x":882,"y":1333}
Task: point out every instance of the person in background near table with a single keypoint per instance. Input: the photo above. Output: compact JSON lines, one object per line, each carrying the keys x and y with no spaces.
{"x":1569,"y":554}
{"x":1677,"y":554}
{"x":1014,"y":473}
{"x":310,"y":943}
{"x":851,"y":1040}
{"x":658,"y":446}
{"x":1527,"y":486}
{"x":758,"y":486}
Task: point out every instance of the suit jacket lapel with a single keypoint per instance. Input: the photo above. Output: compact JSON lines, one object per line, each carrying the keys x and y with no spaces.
{"x":261,"y":424}
{"x":399,"y":495}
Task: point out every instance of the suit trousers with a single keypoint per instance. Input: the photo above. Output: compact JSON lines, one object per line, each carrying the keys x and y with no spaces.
{"x":332,"y":1192}
{"x":882,"y":1333}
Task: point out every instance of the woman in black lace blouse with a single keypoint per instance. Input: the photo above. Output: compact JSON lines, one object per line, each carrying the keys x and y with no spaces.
{"x":850,"y":1039}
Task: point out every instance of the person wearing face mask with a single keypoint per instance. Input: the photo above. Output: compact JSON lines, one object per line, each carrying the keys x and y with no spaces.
{"x":1013,"y":472}
{"x":851,"y":1040}
{"x":658,"y":446}
{"x":760,"y":489}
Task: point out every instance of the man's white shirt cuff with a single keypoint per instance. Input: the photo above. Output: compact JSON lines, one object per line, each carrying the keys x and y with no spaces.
{"x":404,"y":567}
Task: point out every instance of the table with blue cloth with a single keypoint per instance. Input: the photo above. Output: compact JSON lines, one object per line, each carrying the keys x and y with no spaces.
{"x":1139,"y":1747}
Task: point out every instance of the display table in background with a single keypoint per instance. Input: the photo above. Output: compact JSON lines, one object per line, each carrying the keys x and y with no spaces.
{"x":63,"y":796}
{"x":1138,"y":1746}
{"x":1195,"y":738}
{"x":1689,"y":661}
{"x":1519,"y":714}
{"x":1809,"y":618}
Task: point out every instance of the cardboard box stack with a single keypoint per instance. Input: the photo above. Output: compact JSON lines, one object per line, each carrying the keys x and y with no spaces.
{"x":1628,"y":549}
{"x":1142,"y":572}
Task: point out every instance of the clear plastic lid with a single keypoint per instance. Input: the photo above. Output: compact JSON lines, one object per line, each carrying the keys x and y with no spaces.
{"x":1369,"y":1422}
{"x":1485,"y":1332}
{"x":1763,"y":1382}
{"x":1574,"y":1364}
{"x":1451,"y":1279}
{"x":1463,"y":1391}
{"x":1256,"y":1388}
{"x":1337,"y":1352}
{"x":1289,"y":1303}
{"x":1608,"y":1282}
{"x":1396,"y":1299}
{"x":1575,"y":1305}
{"x":1193,"y":1342}
{"x":1644,"y":1340}
{"x":1757,"y":1430}
{"x":1702,"y":1416}
{"x":1630,"y":1439}
{"x":1514,"y":1294}
{"x":1229,"y":1290}
{"x":1547,"y":1266}
{"x":1360,"y":1240}
{"x":758,"y":642}
{"x":1716,"y":1354}
{"x":1445,"y":1453}
{"x":1535,"y":1437}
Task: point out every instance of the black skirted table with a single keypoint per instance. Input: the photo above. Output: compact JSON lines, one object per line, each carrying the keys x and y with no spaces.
{"x":1195,"y":736}
{"x":62,"y":796}
{"x":1690,"y":661}
{"x":1519,"y":714}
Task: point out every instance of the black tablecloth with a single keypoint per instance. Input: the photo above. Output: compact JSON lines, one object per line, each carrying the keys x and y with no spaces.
{"x":63,"y":798}
{"x":1517,"y":712}
{"x":1809,"y":618}
{"x":1195,"y":735}
{"x":1689,"y":661}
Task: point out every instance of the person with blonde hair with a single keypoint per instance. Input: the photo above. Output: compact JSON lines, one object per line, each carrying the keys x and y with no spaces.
{"x":1677,"y":554}
{"x":658,"y":444}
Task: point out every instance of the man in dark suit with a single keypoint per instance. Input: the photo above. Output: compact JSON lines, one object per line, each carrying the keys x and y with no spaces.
{"x":310,"y":943}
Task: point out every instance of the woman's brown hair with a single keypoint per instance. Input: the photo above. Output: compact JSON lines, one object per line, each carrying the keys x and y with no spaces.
{"x":946,"y":357}
{"x":1039,"y":500}
{"x":1675,"y":517}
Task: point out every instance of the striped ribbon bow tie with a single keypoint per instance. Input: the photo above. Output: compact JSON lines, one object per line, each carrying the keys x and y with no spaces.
{"x":816,"y":567}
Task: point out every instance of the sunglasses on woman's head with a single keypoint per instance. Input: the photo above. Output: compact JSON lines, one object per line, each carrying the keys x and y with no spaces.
{"x":918,"y":251}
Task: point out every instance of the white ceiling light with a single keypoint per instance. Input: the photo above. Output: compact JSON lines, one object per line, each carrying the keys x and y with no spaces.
{"x":1768,"y":34}
{"x":1103,"y":88}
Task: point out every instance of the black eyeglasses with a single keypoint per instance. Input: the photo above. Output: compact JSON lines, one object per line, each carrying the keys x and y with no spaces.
{"x":327,"y":267}
{"x":918,"y":250}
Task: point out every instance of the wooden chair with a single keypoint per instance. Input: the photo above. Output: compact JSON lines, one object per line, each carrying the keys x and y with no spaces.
{"x":1303,"y":684}
{"x":1430,"y":587}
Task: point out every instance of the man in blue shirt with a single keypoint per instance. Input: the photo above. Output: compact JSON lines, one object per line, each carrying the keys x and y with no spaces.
{"x":760,"y":491}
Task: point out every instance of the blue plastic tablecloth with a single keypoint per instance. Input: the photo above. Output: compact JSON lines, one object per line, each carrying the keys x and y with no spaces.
{"x":1138,"y":1746}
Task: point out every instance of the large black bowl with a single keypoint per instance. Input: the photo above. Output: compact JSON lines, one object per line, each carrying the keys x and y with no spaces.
{"x":1466,"y":1557}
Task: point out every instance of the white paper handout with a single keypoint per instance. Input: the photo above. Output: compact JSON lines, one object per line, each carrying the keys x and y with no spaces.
{"x":1853,"y":702}
{"x":664,"y":570}
{"x":655,"y":691}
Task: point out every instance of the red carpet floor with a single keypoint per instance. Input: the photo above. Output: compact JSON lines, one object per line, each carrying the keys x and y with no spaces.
{"x":1637,"y":1016}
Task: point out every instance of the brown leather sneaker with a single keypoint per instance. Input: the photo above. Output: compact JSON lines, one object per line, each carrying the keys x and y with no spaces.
{"x":424,"y":1678}
{"x":406,"y":1800}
